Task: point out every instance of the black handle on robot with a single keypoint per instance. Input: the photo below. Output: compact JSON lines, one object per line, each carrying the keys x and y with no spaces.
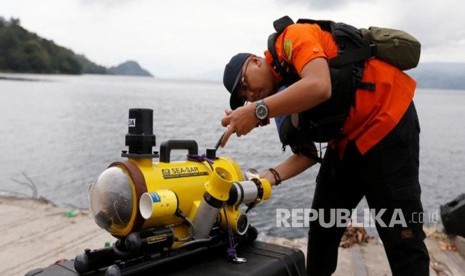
{"x":167,"y":146}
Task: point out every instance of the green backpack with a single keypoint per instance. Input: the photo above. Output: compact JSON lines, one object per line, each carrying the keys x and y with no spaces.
{"x":393,"y":46}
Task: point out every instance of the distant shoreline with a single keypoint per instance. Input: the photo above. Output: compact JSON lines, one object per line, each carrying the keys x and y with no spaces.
{"x":19,"y":79}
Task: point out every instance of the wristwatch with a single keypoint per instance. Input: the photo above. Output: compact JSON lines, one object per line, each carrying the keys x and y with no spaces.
{"x":261,"y":111}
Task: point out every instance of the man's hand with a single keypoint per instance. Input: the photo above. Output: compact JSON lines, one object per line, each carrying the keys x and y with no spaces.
{"x":240,"y":121}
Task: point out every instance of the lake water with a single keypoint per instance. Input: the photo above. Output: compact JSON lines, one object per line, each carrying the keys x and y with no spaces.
{"x":60,"y":132}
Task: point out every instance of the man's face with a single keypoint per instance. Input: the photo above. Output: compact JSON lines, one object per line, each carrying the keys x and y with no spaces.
{"x":256,"y":82}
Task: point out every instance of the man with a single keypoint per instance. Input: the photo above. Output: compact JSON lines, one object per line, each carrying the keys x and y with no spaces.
{"x":376,"y":154}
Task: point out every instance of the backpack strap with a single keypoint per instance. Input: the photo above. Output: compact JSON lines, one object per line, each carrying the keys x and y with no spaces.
{"x":325,"y":25}
{"x":284,"y":69}
{"x":281,"y":24}
{"x":355,"y":55}
{"x":272,"y":49}
{"x":353,"y":50}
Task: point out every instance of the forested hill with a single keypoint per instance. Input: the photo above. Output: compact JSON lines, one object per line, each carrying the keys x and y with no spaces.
{"x":24,"y":52}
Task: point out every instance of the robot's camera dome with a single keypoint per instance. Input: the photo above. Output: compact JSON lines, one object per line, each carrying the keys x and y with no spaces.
{"x":111,"y":199}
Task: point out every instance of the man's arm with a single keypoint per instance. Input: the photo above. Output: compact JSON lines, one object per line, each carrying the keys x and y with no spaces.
{"x":312,"y":89}
{"x":291,"y":167}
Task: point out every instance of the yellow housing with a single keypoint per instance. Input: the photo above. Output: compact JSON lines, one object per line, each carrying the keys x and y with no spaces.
{"x":187,"y":180}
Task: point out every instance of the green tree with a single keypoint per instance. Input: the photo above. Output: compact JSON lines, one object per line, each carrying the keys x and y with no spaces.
{"x":23,"y":51}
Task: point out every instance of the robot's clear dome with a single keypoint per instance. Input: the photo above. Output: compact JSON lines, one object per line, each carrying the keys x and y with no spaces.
{"x":111,"y":199}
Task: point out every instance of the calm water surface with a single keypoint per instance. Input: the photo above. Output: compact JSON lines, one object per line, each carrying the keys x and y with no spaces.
{"x":60,"y":132}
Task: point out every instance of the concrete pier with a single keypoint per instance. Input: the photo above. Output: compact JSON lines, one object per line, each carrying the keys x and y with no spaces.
{"x":37,"y":234}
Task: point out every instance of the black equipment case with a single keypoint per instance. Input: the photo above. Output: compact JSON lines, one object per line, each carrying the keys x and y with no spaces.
{"x":453,"y":216}
{"x":262,"y":259}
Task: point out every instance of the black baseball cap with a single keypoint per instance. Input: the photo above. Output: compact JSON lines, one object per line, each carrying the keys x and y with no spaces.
{"x":231,"y":77}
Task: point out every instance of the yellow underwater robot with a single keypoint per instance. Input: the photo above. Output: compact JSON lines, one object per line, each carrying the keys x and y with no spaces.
{"x":161,"y":209}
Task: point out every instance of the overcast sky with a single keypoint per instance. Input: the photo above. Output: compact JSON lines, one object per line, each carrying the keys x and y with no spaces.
{"x":180,"y":38}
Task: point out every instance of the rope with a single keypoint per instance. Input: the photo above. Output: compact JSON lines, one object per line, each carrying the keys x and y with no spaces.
{"x":231,"y":251}
{"x":200,"y":158}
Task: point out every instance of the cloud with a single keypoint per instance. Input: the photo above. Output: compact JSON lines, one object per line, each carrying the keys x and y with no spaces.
{"x":435,"y":25}
{"x":323,"y":5}
{"x":107,"y":3}
{"x":181,"y":38}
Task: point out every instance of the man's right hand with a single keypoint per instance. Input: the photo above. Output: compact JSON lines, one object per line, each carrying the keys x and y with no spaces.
{"x":240,"y":121}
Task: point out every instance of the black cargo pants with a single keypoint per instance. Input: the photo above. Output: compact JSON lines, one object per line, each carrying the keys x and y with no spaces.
{"x":387,"y":175}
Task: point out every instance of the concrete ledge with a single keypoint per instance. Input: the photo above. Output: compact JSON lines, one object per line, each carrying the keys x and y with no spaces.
{"x":38,"y":233}
{"x":459,"y":243}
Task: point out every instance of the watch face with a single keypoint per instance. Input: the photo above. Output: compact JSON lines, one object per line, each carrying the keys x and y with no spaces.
{"x":261,"y":111}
